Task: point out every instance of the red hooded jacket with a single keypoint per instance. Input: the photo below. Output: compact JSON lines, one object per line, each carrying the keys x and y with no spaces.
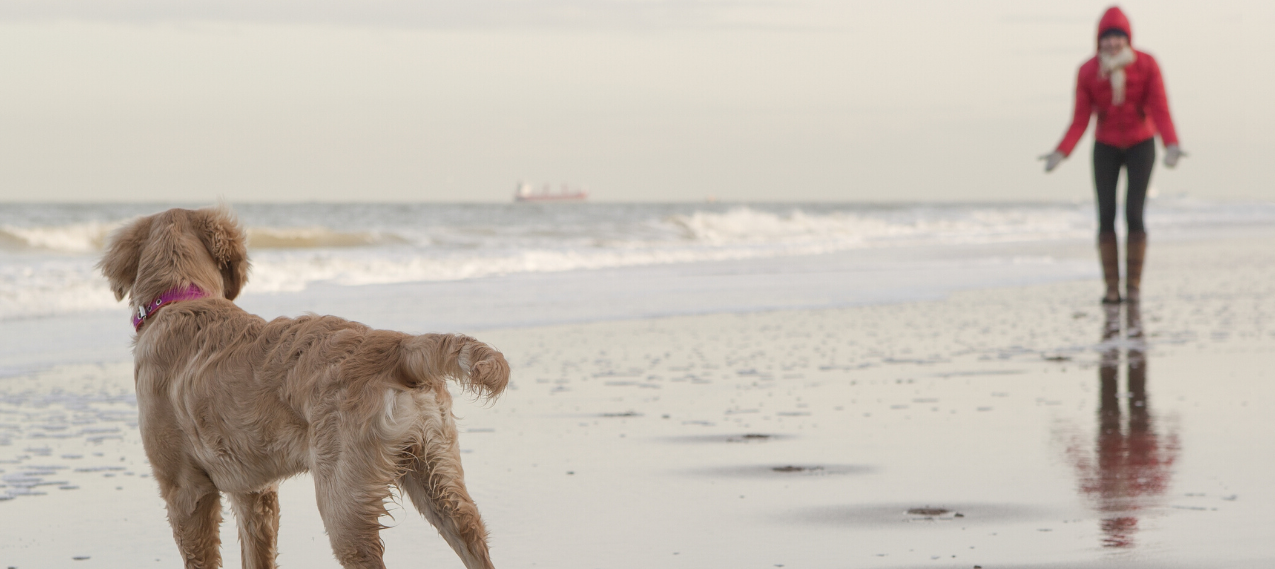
{"x":1145,"y":110}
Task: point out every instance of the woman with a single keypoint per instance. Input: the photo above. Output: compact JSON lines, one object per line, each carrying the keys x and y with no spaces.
{"x":1124,"y":87}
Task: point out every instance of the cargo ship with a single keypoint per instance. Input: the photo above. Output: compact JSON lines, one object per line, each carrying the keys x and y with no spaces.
{"x":527,"y":193}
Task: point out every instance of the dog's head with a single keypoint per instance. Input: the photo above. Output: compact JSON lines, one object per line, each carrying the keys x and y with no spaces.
{"x":178,"y":247}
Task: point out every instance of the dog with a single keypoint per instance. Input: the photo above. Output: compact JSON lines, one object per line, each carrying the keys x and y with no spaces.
{"x":228,"y":402}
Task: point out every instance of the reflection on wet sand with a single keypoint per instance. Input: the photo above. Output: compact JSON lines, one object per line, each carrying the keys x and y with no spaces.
{"x":1132,"y":462}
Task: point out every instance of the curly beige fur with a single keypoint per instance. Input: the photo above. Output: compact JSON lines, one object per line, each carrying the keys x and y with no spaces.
{"x":229,"y":402}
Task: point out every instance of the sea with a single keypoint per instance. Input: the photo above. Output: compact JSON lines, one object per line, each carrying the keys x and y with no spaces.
{"x":422,"y":267}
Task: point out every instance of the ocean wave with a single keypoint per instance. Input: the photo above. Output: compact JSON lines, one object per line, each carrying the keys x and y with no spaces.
{"x":92,"y":236}
{"x":72,"y":238}
{"x":841,"y":230}
{"x":290,"y":273}
{"x":747,"y":225}
{"x":47,"y":267}
{"x":74,"y":285}
{"x":316,"y":237}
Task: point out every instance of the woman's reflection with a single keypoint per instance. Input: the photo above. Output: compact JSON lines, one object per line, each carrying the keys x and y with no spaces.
{"x":1133,"y":462}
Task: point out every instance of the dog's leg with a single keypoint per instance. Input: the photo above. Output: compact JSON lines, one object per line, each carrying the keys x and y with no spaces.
{"x":194,"y":511}
{"x":351,"y":504}
{"x":258,"y":514}
{"x":193,"y":501}
{"x":436,"y":485}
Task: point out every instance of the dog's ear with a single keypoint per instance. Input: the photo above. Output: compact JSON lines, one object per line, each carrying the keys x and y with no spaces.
{"x":123,"y":254}
{"x":224,"y":239}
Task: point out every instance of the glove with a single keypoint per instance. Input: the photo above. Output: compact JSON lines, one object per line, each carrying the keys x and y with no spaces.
{"x":1171,"y":155}
{"x":1053,"y":159}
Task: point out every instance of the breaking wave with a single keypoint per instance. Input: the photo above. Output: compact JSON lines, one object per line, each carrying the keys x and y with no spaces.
{"x":73,"y":238}
{"x":47,"y":252}
{"x":841,"y":229}
{"x":91,"y":237}
{"x":316,"y":237}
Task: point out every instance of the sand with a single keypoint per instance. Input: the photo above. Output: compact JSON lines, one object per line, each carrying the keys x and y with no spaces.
{"x":1020,"y":427}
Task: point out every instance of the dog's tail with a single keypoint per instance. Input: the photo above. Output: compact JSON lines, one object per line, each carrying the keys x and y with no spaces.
{"x":429,"y":359}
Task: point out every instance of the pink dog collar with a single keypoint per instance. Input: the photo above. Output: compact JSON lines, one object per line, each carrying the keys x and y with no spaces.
{"x":189,"y":292}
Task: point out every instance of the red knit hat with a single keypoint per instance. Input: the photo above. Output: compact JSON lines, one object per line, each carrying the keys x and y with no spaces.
{"x":1115,"y":20}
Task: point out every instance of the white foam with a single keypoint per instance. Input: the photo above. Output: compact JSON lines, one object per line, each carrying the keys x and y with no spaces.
{"x":52,"y":287}
{"x":294,"y":273}
{"x":842,"y":229}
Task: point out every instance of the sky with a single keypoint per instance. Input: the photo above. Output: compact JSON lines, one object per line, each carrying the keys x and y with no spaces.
{"x":635,"y":100}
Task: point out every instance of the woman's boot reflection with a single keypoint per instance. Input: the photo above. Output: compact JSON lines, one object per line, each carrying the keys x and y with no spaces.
{"x":1132,"y":467}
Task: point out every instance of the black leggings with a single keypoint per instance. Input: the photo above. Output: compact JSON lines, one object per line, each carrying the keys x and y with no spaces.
{"x":1137,"y":161}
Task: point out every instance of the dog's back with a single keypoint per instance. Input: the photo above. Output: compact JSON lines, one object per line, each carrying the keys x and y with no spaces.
{"x":225,"y":374}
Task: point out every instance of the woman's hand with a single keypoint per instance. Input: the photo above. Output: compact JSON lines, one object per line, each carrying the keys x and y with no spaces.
{"x":1053,"y":159}
{"x":1171,"y":155}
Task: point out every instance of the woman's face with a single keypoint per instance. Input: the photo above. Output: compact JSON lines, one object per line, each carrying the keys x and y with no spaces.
{"x":1113,"y":44}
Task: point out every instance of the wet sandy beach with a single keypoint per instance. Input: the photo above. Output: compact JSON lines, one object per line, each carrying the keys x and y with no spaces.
{"x":1023,"y":427}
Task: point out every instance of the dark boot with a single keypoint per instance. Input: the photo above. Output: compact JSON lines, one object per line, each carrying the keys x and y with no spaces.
{"x":1109,"y":253}
{"x":1135,"y":251}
